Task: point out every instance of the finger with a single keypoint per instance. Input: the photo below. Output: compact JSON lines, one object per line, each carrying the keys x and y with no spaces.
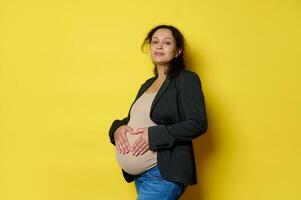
{"x":140,"y":149}
{"x":118,"y":140}
{"x":138,"y":146}
{"x":134,"y":146}
{"x":138,"y":143}
{"x":120,"y":149}
{"x":145,"y":149}
{"x":137,"y":131}
{"x":123,"y":141}
{"x":134,"y":132}
{"x":126,"y":142}
{"x":118,"y":146}
{"x":123,"y":145}
{"x":129,"y":129}
{"x":140,"y":130}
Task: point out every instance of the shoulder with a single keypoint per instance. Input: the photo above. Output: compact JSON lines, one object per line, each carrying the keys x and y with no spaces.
{"x":188,"y":76}
{"x":148,"y":81}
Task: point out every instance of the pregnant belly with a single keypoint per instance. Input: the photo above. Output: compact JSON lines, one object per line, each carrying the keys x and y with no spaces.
{"x":136,"y":164}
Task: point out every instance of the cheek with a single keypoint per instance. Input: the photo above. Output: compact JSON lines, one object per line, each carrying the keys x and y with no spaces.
{"x":171,"y":53}
{"x":172,"y":49}
{"x":151,"y":51}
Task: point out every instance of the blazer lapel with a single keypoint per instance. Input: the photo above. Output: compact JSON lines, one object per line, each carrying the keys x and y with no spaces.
{"x":147,"y":85}
{"x":160,"y":92}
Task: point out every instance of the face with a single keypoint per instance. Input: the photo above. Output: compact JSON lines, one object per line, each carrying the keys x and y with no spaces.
{"x":163,"y":46}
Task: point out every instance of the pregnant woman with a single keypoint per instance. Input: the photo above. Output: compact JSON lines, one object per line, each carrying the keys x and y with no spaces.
{"x":154,"y":142}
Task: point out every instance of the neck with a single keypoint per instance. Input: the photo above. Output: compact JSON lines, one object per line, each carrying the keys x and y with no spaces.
{"x":162,"y":69}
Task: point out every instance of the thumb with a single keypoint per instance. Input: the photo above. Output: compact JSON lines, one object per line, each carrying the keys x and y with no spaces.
{"x":140,"y":130}
{"x":137,"y":131}
{"x":129,"y":129}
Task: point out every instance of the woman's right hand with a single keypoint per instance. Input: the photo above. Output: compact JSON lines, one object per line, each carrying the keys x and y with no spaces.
{"x":121,"y":141}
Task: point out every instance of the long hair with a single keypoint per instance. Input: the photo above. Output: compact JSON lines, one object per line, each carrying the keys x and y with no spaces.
{"x":177,"y":64}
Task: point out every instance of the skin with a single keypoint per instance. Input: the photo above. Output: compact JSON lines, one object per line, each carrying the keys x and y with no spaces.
{"x":162,"y":50}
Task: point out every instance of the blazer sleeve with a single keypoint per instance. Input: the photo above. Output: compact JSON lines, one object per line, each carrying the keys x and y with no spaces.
{"x":195,"y":121}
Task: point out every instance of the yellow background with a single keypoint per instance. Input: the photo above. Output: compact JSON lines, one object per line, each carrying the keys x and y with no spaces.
{"x":69,"y":68}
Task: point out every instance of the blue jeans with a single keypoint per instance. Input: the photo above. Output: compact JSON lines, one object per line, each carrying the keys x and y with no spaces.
{"x":151,"y":186}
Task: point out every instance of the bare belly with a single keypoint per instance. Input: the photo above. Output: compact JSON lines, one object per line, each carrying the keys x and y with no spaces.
{"x":136,"y":164}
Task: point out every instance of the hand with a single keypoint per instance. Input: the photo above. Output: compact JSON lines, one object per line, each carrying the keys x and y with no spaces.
{"x":141,"y":145}
{"x":121,"y":141}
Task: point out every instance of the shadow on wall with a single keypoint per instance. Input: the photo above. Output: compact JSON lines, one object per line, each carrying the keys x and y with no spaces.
{"x":204,"y":146}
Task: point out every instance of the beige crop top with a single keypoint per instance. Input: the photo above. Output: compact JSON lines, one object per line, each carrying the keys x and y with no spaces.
{"x":139,"y":118}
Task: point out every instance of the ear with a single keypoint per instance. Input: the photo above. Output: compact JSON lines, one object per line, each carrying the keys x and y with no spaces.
{"x":178,"y":52}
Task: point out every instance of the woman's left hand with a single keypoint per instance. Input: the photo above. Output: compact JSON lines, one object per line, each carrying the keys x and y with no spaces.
{"x":141,"y":145}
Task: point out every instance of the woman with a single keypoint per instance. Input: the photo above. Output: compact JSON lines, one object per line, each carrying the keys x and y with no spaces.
{"x":154,"y":142}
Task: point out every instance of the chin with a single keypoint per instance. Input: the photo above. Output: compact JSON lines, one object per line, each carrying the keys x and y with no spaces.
{"x":160,"y":62}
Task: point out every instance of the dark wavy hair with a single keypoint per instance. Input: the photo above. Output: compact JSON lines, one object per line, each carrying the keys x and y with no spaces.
{"x":177,"y":64}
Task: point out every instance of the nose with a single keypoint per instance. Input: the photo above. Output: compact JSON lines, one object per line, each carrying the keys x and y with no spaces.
{"x":159,"y":46}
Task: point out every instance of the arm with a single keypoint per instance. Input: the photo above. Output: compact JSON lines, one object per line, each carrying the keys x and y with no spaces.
{"x":195,"y":123}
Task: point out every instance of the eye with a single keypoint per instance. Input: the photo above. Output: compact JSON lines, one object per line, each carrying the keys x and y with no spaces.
{"x":154,"y":42}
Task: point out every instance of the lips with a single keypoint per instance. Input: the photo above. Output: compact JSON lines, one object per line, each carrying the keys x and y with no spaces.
{"x":159,"y":54}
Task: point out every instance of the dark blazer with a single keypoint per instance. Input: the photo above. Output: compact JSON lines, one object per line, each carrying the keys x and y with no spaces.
{"x":178,"y":109}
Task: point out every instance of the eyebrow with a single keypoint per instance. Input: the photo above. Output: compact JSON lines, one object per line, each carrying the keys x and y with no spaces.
{"x":165,"y":38}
